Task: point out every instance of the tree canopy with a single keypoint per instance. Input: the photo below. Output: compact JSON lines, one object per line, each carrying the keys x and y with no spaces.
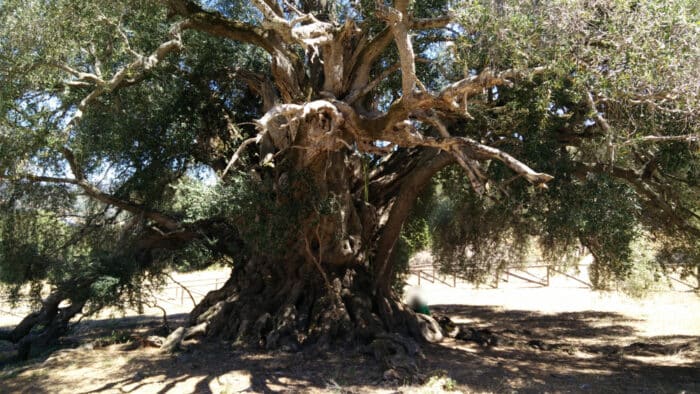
{"x":322,"y":141}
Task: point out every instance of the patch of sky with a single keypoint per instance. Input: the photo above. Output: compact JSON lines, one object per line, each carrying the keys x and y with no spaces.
{"x":203,"y":173}
{"x":183,"y":66}
{"x":381,"y":143}
{"x":214,"y":86}
{"x":104,"y":174}
{"x":30,"y":107}
{"x":384,"y":101}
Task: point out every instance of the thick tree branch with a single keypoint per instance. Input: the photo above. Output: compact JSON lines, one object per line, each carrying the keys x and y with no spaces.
{"x":273,"y":21}
{"x":456,"y":95}
{"x":366,"y":57}
{"x":167,"y":222}
{"x":357,"y":94}
{"x":398,"y":20}
{"x":217,"y":25}
{"x":481,"y":151}
{"x":431,"y":23}
{"x":384,"y":182}
{"x":404,"y":134}
{"x":451,"y":99}
{"x":304,"y":29}
{"x":272,"y":37}
{"x":411,"y":186}
{"x":258,"y":83}
{"x":38,"y":178}
{"x":469,"y":165}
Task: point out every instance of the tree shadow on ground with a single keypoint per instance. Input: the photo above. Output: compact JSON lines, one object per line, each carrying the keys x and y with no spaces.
{"x":589,"y":352}
{"x":583,"y":351}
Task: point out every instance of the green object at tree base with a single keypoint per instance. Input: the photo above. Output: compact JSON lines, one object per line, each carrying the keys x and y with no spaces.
{"x":422,"y":308}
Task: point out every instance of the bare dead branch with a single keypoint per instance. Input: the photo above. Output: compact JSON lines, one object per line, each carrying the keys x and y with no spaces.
{"x":603,"y":123}
{"x":189,"y":293}
{"x":536,"y":178}
{"x":455,"y":94}
{"x":273,"y":21}
{"x":404,"y":134}
{"x":81,"y":76}
{"x":238,"y":153}
{"x":663,"y":138}
{"x":470,"y":166}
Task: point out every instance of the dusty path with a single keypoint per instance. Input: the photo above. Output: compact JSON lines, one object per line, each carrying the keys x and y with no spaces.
{"x":550,"y":340}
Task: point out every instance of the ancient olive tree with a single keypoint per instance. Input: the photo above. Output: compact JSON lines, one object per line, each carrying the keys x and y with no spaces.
{"x":329,"y":125}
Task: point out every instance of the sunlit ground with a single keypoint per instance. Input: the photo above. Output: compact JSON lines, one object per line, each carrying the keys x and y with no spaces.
{"x":585,"y":342}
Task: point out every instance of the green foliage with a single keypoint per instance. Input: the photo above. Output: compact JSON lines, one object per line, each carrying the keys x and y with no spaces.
{"x":272,"y":211}
{"x":474,"y":237}
{"x":616,"y":50}
{"x":679,"y":254}
{"x":79,"y":256}
{"x":600,"y":214}
{"x":134,"y":143}
{"x":103,"y":287}
{"x":143,"y":142}
{"x":29,"y":260}
{"x":416,"y":235}
{"x":645,"y":275}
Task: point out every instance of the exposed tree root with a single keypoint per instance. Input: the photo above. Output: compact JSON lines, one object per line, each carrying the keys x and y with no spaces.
{"x":295,"y":312}
{"x":44,"y":327}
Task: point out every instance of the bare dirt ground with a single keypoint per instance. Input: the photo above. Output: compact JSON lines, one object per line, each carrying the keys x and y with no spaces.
{"x":555,"y":339}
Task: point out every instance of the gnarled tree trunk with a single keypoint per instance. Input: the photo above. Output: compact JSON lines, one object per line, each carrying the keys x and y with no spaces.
{"x":43,"y":327}
{"x":332,"y":278}
{"x":322,"y":278}
{"x":326,"y":273}
{"x":282,"y":305}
